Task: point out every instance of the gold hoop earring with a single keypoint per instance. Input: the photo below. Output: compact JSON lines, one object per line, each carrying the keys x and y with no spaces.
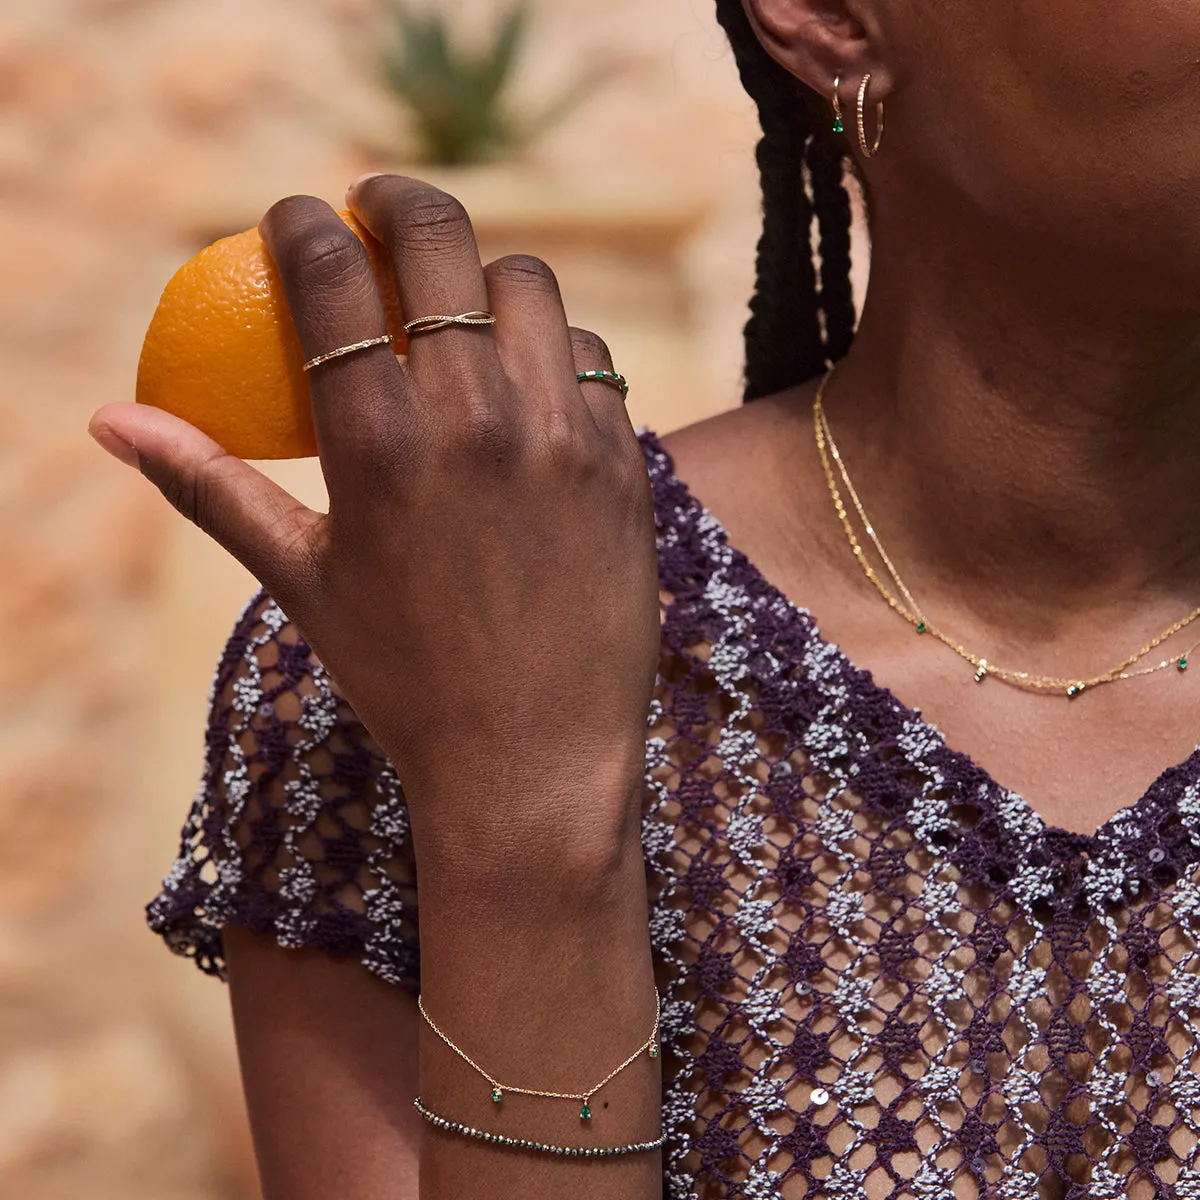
{"x":839,"y":126}
{"x":869,"y":151}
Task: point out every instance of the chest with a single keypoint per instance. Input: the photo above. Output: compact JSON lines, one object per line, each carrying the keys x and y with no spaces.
{"x":1076,"y":762}
{"x":883,"y":975}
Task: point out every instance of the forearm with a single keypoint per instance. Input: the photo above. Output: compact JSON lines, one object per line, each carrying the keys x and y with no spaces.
{"x":547,"y":984}
{"x":329,"y":1063}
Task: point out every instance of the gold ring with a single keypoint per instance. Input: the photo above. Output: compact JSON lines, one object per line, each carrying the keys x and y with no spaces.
{"x":432,"y":324}
{"x":321,"y":358}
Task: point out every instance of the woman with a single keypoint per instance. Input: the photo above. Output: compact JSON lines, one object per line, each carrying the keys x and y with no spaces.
{"x":882,"y":971}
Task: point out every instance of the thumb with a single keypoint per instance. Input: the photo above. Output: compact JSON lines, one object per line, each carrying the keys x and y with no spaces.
{"x":263,"y":526}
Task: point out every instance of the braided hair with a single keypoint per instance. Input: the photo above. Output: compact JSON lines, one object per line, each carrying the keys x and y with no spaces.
{"x":799,"y":323}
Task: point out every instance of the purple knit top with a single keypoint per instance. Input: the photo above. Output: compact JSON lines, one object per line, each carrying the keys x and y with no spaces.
{"x":882,"y":974}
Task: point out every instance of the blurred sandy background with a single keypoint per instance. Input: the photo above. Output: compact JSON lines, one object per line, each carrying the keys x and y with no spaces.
{"x":132,"y":132}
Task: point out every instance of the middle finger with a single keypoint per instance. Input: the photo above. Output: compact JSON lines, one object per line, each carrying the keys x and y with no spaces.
{"x":438,"y":272}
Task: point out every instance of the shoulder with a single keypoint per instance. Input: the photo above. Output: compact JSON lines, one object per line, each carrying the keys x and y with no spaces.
{"x":743,"y":461}
{"x":717,"y":455}
{"x":714,"y":446}
{"x":755,"y":470}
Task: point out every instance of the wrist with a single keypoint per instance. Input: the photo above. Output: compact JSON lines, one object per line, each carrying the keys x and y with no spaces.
{"x":572,"y":939}
{"x":574,"y":836}
{"x":552,"y":880}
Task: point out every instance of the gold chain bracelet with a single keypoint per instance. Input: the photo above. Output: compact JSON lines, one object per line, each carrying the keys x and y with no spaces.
{"x":649,"y":1046}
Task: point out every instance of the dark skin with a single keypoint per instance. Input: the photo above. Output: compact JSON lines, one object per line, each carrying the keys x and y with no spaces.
{"x":1018,"y":412}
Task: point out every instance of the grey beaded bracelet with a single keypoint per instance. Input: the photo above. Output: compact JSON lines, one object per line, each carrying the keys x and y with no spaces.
{"x":500,"y":1139}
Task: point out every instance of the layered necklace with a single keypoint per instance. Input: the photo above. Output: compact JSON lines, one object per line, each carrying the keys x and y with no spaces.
{"x":900,"y":599}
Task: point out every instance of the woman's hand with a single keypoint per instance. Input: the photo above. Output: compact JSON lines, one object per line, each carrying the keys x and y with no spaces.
{"x":483,"y":589}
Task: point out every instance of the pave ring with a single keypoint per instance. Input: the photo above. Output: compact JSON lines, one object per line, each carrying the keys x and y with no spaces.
{"x":321,"y":358}
{"x":432,"y":324}
{"x":617,"y":381}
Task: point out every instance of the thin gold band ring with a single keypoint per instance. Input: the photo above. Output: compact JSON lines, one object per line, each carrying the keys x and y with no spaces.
{"x":420,"y":325}
{"x":434,"y":323}
{"x":385,"y":340}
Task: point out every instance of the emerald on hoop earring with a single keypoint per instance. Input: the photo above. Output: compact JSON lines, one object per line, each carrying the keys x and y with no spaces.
{"x":839,"y":126}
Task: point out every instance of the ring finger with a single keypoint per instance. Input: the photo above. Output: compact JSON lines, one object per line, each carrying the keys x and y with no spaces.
{"x":602,"y":392}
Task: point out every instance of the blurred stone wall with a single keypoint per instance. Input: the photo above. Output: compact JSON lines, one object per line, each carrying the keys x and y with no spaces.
{"x":131,"y":133}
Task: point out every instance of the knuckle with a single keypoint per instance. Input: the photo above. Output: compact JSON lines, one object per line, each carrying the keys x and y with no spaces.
{"x":195,"y":495}
{"x":524,"y":270}
{"x":209,"y":492}
{"x":292,"y":212}
{"x":564,"y":442}
{"x":325,"y":257}
{"x":430,"y":217}
{"x":306,"y":237}
{"x":179,"y":492}
{"x":590,"y":347}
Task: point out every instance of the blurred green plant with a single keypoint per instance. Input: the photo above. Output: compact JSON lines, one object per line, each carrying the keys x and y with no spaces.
{"x":458,"y":97}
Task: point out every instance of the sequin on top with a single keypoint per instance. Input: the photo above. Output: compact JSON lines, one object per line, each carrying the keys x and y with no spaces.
{"x":882,"y":974}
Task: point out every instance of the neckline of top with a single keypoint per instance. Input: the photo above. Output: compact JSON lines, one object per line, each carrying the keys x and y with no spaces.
{"x":1154,"y":808}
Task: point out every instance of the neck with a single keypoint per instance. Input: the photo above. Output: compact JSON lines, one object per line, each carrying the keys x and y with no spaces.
{"x":1031,"y":445}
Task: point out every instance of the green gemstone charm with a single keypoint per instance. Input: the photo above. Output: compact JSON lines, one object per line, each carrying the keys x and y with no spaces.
{"x":497,"y":1095}
{"x":1076,"y":689}
{"x":585,"y":1112}
{"x":653,"y":1049}
{"x":922,"y":627}
{"x":838,"y":126}
{"x":1183,"y":664}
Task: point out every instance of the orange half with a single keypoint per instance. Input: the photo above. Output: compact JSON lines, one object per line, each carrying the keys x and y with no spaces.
{"x":222,"y":351}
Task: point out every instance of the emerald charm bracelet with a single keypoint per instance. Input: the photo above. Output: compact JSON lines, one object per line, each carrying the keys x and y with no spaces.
{"x":649,"y":1046}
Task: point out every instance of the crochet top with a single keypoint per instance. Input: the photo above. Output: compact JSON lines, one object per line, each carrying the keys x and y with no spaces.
{"x":883,"y":975}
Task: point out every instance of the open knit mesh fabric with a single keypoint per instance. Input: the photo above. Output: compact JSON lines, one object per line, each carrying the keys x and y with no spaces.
{"x":882,"y":974}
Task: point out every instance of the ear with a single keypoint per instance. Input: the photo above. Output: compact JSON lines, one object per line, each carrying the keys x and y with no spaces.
{"x":819,"y":41}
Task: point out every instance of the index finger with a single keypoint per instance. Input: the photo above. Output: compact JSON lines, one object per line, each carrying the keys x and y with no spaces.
{"x":335,"y":304}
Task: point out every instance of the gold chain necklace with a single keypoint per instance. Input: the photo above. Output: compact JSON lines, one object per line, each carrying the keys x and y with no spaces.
{"x":911,"y":611}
